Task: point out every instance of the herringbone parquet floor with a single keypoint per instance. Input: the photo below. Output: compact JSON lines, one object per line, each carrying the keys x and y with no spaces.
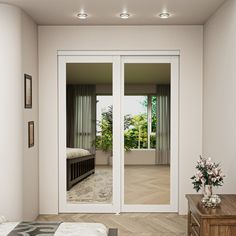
{"x":143,"y":185}
{"x":131,"y":224}
{"x":147,"y":184}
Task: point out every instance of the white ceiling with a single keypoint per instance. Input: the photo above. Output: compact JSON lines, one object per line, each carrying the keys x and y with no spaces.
{"x":106,"y":12}
{"x":101,"y":73}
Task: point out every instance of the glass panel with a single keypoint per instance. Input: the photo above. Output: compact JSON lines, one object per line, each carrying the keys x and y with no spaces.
{"x":153,"y":122}
{"x":146,"y":165}
{"x":89,"y":133}
{"x":135,"y":122}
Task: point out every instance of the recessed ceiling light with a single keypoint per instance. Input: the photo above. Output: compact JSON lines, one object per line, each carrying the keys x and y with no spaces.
{"x":82,"y":16}
{"x":124,"y":15}
{"x":164,"y":15}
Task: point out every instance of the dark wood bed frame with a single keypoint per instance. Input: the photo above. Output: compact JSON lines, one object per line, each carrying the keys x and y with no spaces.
{"x":79,"y":168}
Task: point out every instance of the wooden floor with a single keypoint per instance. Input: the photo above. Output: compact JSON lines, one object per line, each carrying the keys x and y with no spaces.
{"x":143,"y":184}
{"x":131,"y":224}
{"x":147,"y":184}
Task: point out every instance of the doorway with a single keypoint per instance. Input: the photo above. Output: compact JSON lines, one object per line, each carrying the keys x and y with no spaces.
{"x":107,"y":154}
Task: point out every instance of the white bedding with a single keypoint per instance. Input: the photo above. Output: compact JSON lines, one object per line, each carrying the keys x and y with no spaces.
{"x":7,"y":227}
{"x":81,"y":229}
{"x":65,"y":229}
{"x":76,"y":152}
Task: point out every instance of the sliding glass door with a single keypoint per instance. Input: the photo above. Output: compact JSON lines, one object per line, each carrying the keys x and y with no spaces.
{"x":118,"y":132}
{"x":150,"y":133}
{"x":89,"y":180}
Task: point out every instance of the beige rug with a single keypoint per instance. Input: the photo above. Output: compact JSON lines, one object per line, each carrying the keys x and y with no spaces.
{"x":97,"y":188}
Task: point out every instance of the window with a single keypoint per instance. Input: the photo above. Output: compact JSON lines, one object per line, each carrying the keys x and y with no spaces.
{"x":103,"y":105}
{"x":153,"y":122}
{"x":140,"y":122}
{"x":104,"y":123}
{"x":135,"y":122}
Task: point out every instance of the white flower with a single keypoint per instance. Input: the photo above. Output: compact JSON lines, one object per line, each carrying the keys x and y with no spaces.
{"x":214,"y":180}
{"x":202,"y":164}
{"x":216,"y":171}
{"x":203,"y":180}
{"x":209,"y":172}
{"x":209,"y":162}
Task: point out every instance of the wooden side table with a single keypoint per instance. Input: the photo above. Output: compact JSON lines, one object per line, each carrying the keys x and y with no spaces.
{"x":219,"y":221}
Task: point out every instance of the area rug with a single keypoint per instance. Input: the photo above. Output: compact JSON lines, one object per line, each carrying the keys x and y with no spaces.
{"x":97,"y":188}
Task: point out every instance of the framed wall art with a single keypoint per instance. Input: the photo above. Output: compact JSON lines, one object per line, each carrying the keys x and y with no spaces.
{"x":30,"y":134}
{"x":28,"y":90}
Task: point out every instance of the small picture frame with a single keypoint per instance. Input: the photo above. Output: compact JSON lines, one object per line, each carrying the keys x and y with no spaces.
{"x":30,"y":134}
{"x":28,"y":90}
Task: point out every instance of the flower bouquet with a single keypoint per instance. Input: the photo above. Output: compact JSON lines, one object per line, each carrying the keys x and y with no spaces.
{"x":208,"y":174}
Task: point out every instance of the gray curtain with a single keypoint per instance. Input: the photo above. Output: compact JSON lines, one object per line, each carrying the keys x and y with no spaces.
{"x":163,"y":125}
{"x":81,"y":116}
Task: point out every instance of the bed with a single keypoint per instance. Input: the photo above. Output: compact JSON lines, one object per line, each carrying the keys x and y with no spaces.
{"x":80,"y":164}
{"x":55,"y":229}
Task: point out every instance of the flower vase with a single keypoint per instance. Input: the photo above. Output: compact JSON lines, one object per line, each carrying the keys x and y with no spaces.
{"x":207,"y":191}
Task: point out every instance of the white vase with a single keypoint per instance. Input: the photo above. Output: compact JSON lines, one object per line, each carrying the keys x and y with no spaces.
{"x":207,"y":191}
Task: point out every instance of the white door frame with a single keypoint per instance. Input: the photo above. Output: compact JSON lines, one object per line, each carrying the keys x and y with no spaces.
{"x":65,"y":207}
{"x":173,"y":206}
{"x":114,"y":57}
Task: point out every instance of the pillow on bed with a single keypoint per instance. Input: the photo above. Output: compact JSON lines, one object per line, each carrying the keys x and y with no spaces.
{"x":81,"y":229}
{"x":76,"y":152}
{"x":2,"y":219}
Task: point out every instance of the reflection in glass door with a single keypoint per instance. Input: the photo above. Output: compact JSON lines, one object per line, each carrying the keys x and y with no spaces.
{"x":144,"y":172}
{"x":87,"y":158}
{"x":148,"y":167}
{"x":118,"y":133}
{"x":89,"y":109}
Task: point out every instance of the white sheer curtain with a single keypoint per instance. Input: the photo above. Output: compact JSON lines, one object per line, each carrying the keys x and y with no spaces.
{"x":81,"y":116}
{"x":163,"y":125}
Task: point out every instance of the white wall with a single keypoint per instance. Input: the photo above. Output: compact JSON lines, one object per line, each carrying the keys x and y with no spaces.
{"x":30,"y":157}
{"x":219,"y":114}
{"x":11,"y":118}
{"x":18,"y":53}
{"x":132,"y":157}
{"x":140,"y":157}
{"x":188,"y":39}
